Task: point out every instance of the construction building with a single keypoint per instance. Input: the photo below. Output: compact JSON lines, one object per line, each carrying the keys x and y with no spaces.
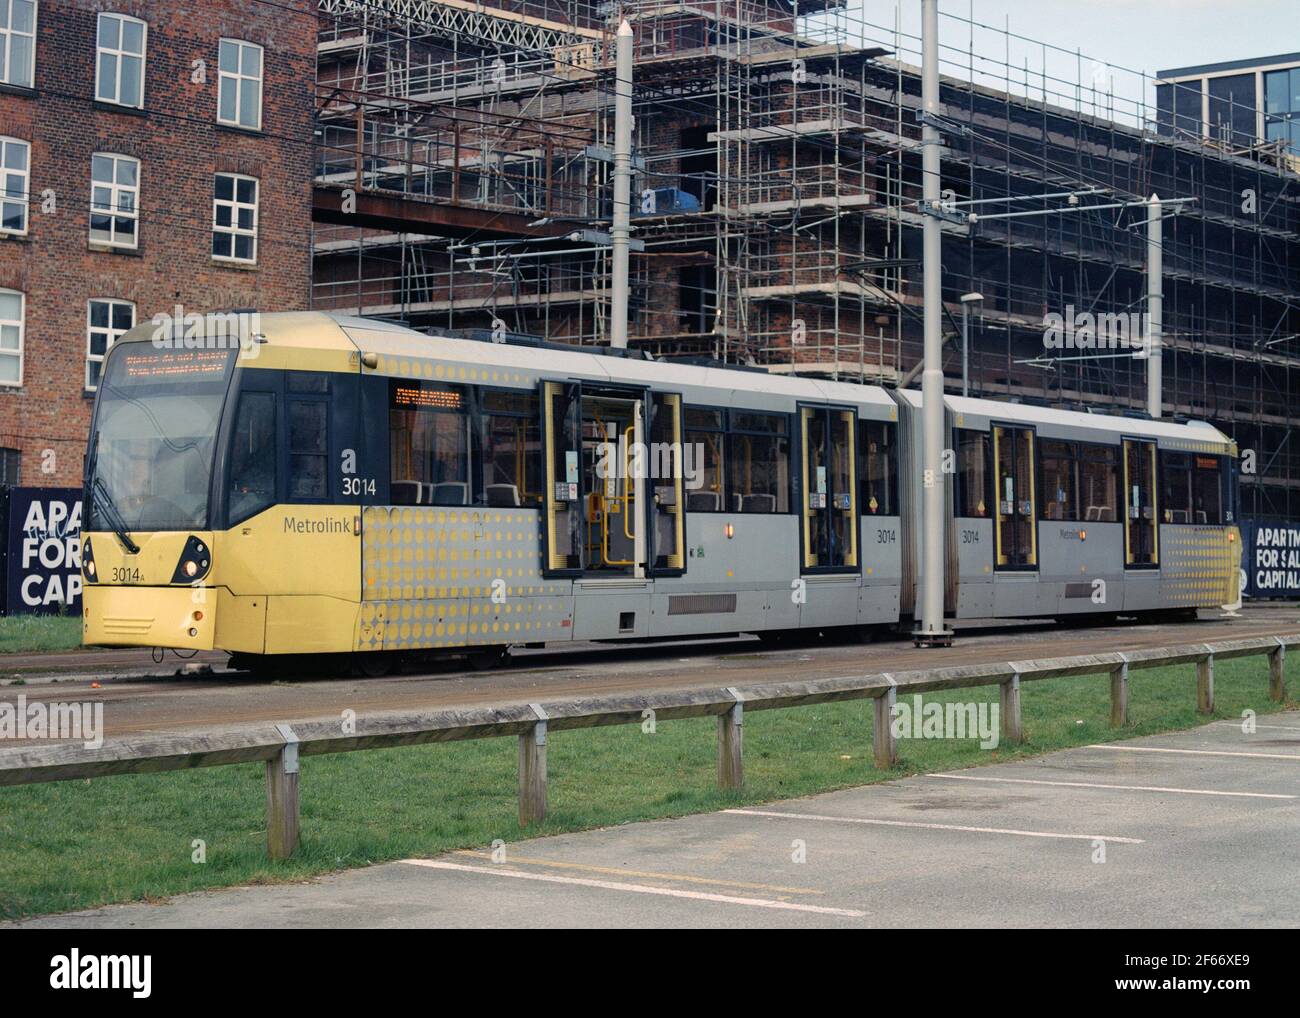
{"x":463,"y":169}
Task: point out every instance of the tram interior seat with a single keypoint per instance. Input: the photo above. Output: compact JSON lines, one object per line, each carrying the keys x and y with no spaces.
{"x":450,"y":493}
{"x":756,"y":503}
{"x":1097,"y":513}
{"x":502,"y":496}
{"x":1181,"y":516}
{"x":704,"y":501}
{"x":407,"y":493}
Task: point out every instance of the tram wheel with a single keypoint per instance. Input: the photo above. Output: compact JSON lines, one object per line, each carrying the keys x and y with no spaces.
{"x":373,"y":664}
{"x":486,"y":658}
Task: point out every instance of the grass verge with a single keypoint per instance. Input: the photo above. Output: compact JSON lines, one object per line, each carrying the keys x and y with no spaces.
{"x":71,"y":845}
{"x":28,"y":634}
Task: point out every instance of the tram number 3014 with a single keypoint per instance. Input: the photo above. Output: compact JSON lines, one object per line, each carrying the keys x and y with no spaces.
{"x":886,"y":536}
{"x":970,"y":537}
{"x":358,"y":486}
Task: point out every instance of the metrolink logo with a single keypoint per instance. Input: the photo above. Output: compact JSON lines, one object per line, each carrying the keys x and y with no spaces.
{"x":1088,"y":331}
{"x":921,"y":720}
{"x":656,"y":461}
{"x":215,"y":330}
{"x":75,"y":971}
{"x":23,"y":720}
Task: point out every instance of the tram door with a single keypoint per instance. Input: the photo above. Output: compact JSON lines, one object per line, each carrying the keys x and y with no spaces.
{"x":1141,"y":540}
{"x":598,"y":477}
{"x":830,"y":524}
{"x":1016,"y":536}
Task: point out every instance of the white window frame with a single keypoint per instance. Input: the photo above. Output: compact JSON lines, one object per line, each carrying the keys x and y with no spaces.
{"x":7,"y":35}
{"x":21,"y":322}
{"x":113,"y":211}
{"x":235,"y":205}
{"x":238,"y":80}
{"x":113,"y":334}
{"x":116,"y":100}
{"x":23,"y":198}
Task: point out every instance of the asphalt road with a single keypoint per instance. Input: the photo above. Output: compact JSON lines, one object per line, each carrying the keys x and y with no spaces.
{"x":134,"y":706}
{"x":1190,"y":829}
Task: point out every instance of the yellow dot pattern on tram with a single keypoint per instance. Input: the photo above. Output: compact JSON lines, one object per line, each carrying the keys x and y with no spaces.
{"x":436,"y":577}
{"x":1199,"y":566}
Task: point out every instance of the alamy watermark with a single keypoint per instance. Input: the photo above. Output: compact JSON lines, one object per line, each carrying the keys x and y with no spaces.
{"x":935,"y":720}
{"x":1087,"y":330}
{"x":656,"y":461}
{"x":213,"y":330}
{"x":55,"y":720}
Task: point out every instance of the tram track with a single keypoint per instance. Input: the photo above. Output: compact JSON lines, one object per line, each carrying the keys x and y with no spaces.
{"x":144,"y":706}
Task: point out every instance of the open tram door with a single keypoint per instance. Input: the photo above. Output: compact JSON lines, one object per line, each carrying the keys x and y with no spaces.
{"x":830,"y":511}
{"x":1015,"y":500}
{"x":1141,"y":540}
{"x":613,"y":481}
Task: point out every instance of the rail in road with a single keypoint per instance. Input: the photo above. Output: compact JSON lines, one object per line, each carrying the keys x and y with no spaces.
{"x":133,"y":708}
{"x":282,"y":746}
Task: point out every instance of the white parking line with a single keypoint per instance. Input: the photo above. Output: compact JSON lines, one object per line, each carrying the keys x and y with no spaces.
{"x":1194,"y":752}
{"x":1279,"y":728}
{"x":1119,"y":788}
{"x":935,"y":827}
{"x":614,"y":885}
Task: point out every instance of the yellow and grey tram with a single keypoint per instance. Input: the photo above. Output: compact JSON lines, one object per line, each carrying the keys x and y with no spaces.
{"x":326,"y":485}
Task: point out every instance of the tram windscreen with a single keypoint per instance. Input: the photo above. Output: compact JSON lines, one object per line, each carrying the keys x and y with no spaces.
{"x":155,"y":431}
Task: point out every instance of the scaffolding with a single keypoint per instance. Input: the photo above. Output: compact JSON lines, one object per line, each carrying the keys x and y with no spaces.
{"x":776,"y":200}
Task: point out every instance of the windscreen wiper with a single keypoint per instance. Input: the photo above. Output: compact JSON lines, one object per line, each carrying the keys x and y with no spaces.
{"x":105,"y":502}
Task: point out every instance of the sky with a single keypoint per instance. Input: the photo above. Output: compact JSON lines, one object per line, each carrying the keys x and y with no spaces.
{"x":1140,"y":35}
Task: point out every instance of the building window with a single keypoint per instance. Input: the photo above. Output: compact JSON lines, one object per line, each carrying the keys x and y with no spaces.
{"x":239,"y":84}
{"x":1282,"y":107}
{"x":11,"y":462}
{"x":119,"y":65}
{"x":114,"y":200}
{"x":106,"y":320}
{"x":12,"y":309}
{"x":18,"y":42}
{"x":13,"y":203}
{"x":234,"y":218}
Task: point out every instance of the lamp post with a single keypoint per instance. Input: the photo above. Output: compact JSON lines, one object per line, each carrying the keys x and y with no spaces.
{"x":967,"y":299}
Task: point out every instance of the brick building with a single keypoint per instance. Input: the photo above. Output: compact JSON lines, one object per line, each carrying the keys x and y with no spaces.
{"x":154,"y":154}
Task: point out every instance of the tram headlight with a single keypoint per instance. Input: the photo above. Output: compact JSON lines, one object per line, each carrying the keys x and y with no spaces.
{"x":195,"y":561}
{"x":88,"y":561}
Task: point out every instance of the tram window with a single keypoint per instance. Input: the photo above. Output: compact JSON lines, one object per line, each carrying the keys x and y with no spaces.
{"x":1058,"y":486}
{"x":1098,"y":483}
{"x":428,"y":431}
{"x":309,"y":381}
{"x":972,"y":473}
{"x":308,"y":448}
{"x":1176,"y":487}
{"x":705,"y":438}
{"x":1207,"y":490}
{"x":877,"y":468}
{"x":758,"y":458}
{"x":253,"y":456}
{"x":511,"y":438}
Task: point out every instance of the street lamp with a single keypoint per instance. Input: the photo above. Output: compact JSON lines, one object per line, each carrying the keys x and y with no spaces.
{"x":967,"y":299}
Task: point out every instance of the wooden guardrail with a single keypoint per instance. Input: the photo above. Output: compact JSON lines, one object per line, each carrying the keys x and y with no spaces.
{"x":281,"y":747}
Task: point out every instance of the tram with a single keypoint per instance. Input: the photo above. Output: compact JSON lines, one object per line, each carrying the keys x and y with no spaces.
{"x":332,"y":485}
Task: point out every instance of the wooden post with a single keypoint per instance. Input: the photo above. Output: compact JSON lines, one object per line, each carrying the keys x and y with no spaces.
{"x":1119,"y":696}
{"x":1009,"y":700}
{"x":882,"y":732}
{"x":1277,"y":673}
{"x":1205,"y":685}
{"x":532,"y":771}
{"x":282,"y":798}
{"x":731,"y":734}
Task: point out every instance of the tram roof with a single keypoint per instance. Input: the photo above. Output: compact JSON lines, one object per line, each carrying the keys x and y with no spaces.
{"x":1029,"y":413}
